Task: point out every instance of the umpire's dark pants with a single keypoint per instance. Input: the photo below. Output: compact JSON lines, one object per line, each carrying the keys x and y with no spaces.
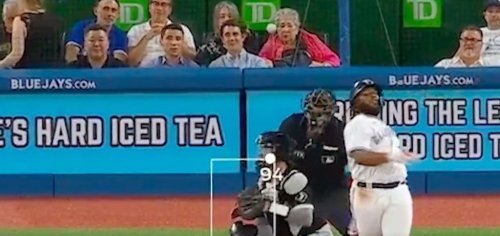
{"x":334,"y":206}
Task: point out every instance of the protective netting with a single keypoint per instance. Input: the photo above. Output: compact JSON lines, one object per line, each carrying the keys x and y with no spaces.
{"x":382,"y":32}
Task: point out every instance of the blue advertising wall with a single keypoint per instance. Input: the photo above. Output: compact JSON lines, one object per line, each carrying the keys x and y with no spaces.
{"x":163,"y":131}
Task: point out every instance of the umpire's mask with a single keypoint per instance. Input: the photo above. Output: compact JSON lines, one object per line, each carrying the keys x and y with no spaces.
{"x":319,"y":107}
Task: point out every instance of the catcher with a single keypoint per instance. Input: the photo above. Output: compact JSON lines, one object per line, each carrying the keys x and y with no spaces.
{"x":282,"y":200}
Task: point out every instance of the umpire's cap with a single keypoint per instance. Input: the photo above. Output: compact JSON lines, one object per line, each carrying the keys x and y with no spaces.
{"x":281,"y":144}
{"x":361,"y":85}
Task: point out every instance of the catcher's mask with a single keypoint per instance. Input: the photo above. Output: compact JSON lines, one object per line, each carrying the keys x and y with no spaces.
{"x":278,"y":143}
{"x":319,"y":107}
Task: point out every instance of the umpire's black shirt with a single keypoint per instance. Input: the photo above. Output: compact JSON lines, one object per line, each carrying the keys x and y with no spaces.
{"x":322,"y":161}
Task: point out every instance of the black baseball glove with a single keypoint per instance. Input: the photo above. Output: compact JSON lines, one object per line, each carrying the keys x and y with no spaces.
{"x":240,"y":229}
{"x":251,"y":203}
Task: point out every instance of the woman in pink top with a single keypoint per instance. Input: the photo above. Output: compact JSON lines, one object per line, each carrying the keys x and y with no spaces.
{"x":284,"y":44}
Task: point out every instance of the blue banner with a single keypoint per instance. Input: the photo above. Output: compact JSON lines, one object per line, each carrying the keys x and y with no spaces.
{"x":119,"y":133}
{"x":411,"y":78}
{"x":119,"y":80}
{"x":97,"y":121}
{"x":450,"y":130}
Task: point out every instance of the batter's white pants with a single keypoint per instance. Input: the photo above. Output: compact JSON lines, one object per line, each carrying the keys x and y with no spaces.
{"x":382,"y":212}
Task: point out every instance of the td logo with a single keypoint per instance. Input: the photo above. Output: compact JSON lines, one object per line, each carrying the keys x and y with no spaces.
{"x":422,"y":13}
{"x":258,"y":13}
{"x":132,"y":12}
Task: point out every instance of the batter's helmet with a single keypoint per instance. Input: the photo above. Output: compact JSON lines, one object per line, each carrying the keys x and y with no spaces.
{"x":278,"y":143}
{"x":362,"y":85}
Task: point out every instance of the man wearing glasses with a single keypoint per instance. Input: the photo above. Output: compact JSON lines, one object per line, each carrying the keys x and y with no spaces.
{"x":144,"y":39}
{"x":469,"y":52}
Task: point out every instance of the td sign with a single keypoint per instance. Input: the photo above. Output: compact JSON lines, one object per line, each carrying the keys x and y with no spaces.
{"x":422,"y":13}
{"x":132,"y":12}
{"x":258,"y":13}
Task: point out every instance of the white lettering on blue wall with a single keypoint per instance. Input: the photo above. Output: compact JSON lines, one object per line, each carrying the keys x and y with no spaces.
{"x":489,"y":114}
{"x":199,"y":130}
{"x":74,"y":131}
{"x":458,"y":146}
{"x":139,"y":131}
{"x":446,"y":112}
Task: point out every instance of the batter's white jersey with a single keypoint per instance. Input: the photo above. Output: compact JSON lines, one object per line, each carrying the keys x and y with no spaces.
{"x":369,"y":133}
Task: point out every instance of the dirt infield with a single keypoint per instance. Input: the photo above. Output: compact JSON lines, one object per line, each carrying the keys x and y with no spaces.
{"x":454,"y":211}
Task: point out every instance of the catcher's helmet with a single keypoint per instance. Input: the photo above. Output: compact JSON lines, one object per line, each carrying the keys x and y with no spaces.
{"x":276,"y":142}
{"x":361,"y":85}
{"x":319,"y":100}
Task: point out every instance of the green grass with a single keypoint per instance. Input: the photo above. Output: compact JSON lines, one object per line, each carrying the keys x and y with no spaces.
{"x":185,"y":232}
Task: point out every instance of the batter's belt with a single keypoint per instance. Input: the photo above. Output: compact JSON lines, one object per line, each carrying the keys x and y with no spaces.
{"x":381,"y":185}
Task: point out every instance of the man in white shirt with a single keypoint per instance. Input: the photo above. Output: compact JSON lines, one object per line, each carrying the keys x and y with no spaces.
{"x":491,"y":33}
{"x":380,"y":197}
{"x":233,"y":34}
{"x":144,"y":39}
{"x":469,"y":51}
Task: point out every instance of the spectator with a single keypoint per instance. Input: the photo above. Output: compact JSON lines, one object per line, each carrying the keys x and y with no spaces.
{"x":8,"y":14}
{"x":292,"y":46}
{"x":144,"y":39}
{"x":491,"y":33}
{"x":35,"y":38}
{"x":213,"y":47}
{"x":96,"y":45}
{"x":173,"y":42}
{"x":469,"y":51}
{"x":106,"y":12}
{"x":233,"y":35}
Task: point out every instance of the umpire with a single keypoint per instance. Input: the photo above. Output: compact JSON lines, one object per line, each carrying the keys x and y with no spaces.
{"x":321,"y":156}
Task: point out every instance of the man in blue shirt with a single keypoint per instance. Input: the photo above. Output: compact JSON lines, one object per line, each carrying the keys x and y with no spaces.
{"x":172,"y":41}
{"x":96,"y":46}
{"x":236,"y":56}
{"x":106,"y":12}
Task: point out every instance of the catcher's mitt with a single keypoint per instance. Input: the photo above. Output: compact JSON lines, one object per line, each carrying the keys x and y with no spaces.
{"x":240,"y":229}
{"x":251,"y":203}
